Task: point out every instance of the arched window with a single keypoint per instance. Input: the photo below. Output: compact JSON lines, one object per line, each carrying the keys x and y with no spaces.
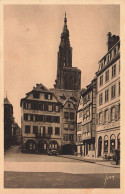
{"x":118,"y":138}
{"x":112,"y":143}
{"x":106,"y":144}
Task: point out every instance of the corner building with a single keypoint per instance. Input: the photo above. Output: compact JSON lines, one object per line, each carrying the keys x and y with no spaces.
{"x":41,"y":121}
{"x":108,"y":99}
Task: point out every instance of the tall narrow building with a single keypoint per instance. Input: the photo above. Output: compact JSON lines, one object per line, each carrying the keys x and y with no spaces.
{"x":68,"y":77}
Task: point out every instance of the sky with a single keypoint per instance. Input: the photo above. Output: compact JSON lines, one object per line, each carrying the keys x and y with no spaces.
{"x":31,"y":42}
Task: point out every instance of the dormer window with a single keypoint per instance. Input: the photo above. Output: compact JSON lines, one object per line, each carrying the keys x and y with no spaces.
{"x":48,"y":96}
{"x":36,"y":95}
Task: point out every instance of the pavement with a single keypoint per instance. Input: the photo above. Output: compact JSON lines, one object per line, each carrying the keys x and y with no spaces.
{"x":23,"y":170}
{"x":99,"y":161}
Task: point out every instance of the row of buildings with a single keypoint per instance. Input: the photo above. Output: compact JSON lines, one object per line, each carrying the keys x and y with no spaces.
{"x":69,"y":119}
{"x":98,"y":115}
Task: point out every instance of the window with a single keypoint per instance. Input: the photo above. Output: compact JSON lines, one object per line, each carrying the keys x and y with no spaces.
{"x":106,"y":116}
{"x":72,"y":116}
{"x":113,"y":70}
{"x":25,"y":105}
{"x":31,"y":117}
{"x":119,"y":89}
{"x":80,"y":114}
{"x":72,"y":127}
{"x":45,"y":107}
{"x":29,"y":106}
{"x":106,"y":95}
{"x":27,"y":128}
{"x":57,"y":130}
{"x":49,"y":119}
{"x":56,"y":119}
{"x":26,"y":117}
{"x":107,"y":76}
{"x":69,"y":105}
{"x":113,"y":91}
{"x":57,"y":108}
{"x":101,"y":80}
{"x":50,"y":108}
{"x":66,"y":126}
{"x":119,"y":111}
{"x":35,"y":129}
{"x":88,"y":96}
{"x":100,"y":118}
{"x":48,"y":96}
{"x":71,"y":137}
{"x":50,"y":130}
{"x":112,"y":113}
{"x":36,"y":95}
{"x":66,"y":115}
{"x":65,"y":137}
{"x":100,"y":99}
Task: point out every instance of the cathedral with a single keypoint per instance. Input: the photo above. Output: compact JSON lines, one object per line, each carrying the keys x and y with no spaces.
{"x":68,"y":77}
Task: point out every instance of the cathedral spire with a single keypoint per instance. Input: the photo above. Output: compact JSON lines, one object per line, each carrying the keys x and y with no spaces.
{"x":65,"y":23}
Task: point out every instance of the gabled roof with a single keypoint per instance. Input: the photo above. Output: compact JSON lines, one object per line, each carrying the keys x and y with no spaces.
{"x":41,"y":89}
{"x":68,"y":100}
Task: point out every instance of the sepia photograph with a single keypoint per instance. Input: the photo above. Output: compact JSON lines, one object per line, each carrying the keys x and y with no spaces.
{"x":61,"y":96}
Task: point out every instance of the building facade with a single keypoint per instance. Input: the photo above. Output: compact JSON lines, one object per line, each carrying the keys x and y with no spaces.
{"x":41,"y":121}
{"x":86,"y":121}
{"x":108,"y":99}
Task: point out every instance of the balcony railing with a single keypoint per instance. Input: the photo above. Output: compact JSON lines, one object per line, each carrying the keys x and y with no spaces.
{"x":43,"y":136}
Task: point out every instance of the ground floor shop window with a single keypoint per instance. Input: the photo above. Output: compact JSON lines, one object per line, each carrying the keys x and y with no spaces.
{"x":106,"y":144}
{"x":112,"y":143}
{"x":118,"y":141}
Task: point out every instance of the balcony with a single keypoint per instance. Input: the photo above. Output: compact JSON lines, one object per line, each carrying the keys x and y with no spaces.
{"x":42,"y":136}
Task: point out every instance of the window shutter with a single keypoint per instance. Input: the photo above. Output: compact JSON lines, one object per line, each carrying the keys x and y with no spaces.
{"x":116,"y":112}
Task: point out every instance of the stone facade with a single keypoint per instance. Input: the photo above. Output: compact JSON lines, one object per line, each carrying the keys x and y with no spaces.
{"x":108,"y":99}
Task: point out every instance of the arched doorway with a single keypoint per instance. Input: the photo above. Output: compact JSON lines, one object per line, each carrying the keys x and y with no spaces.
{"x":68,"y":149}
{"x":31,"y":146}
{"x":42,"y":146}
{"x":53,"y":145}
{"x":112,"y":143}
{"x":99,"y":146}
{"x":118,"y":138}
{"x":106,"y":144}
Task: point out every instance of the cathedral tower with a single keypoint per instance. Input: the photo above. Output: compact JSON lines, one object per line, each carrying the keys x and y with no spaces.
{"x":68,"y":77}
